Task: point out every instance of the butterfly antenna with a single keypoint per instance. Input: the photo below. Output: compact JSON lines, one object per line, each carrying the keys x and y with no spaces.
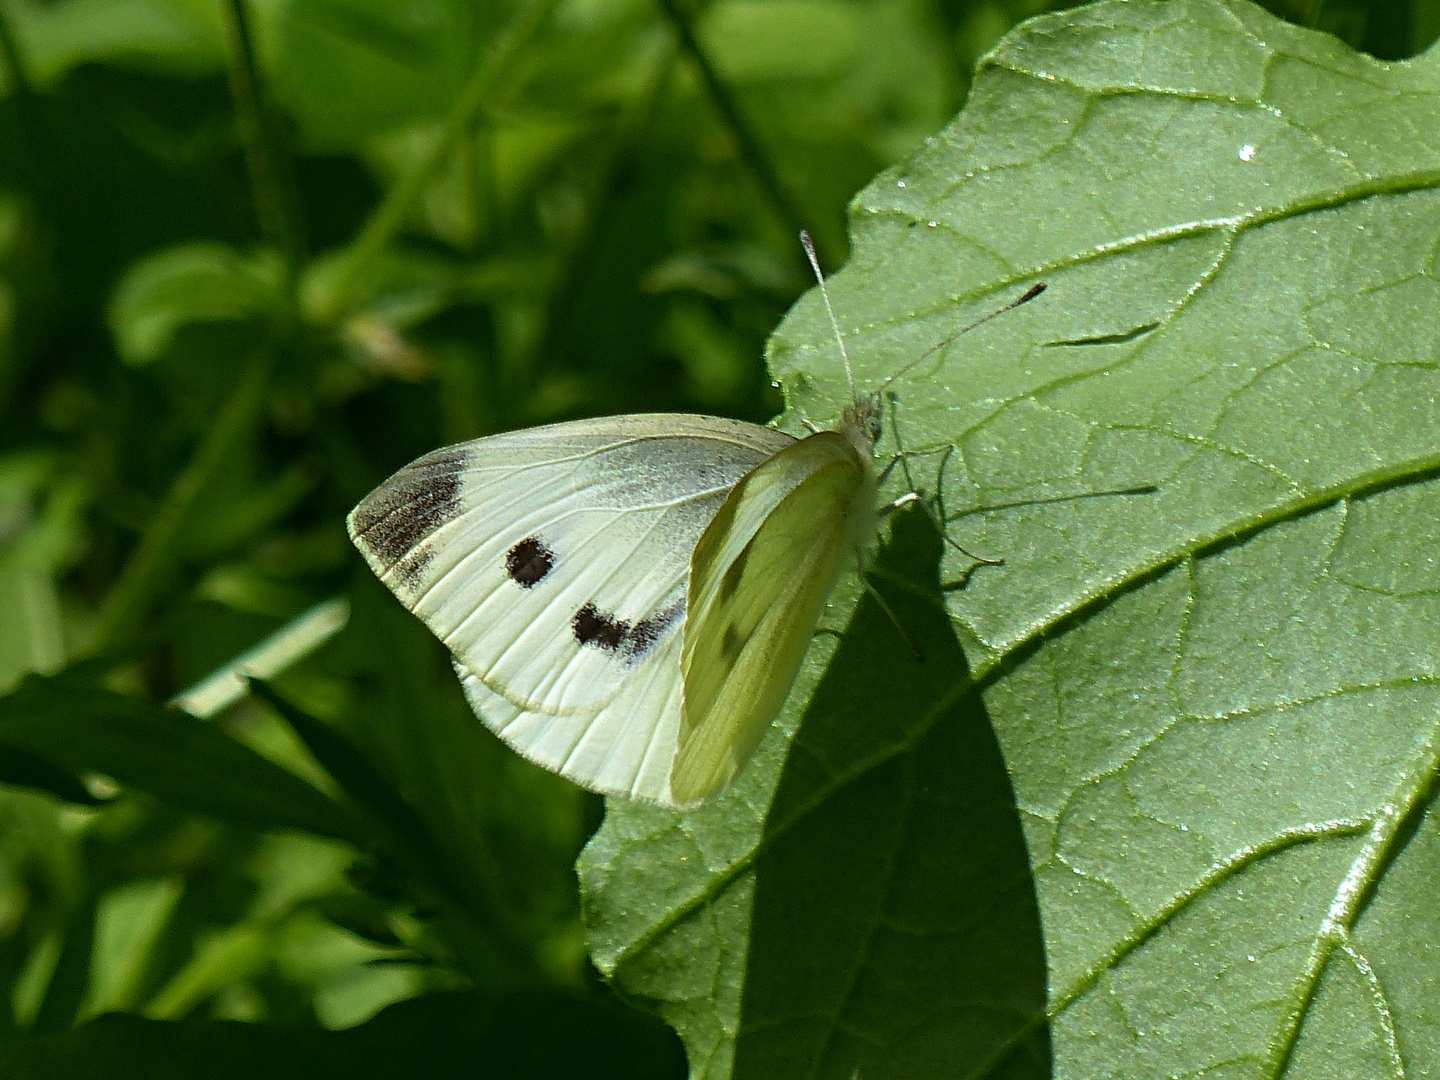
{"x":825,"y":295}
{"x":1030,"y":294}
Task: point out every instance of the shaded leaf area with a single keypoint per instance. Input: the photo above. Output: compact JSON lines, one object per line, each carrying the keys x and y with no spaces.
{"x":1216,"y":702}
{"x":452,"y":1035}
{"x":856,"y":959}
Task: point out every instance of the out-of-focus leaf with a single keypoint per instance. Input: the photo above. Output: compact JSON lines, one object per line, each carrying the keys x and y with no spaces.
{"x":281,"y":934}
{"x":40,"y":531}
{"x":879,"y":81}
{"x":21,"y":769}
{"x":752,"y":41}
{"x":249,"y":512}
{"x":350,"y":69}
{"x":352,"y":977}
{"x":400,"y":288}
{"x":181,"y":36}
{"x":713,"y":355}
{"x":230,"y":957}
{"x":189,"y":283}
{"x":350,"y":769}
{"x":536,"y":1036}
{"x":41,"y":873}
{"x":128,"y":921}
{"x":167,"y":753}
{"x":245,"y":588}
{"x":506,"y":832}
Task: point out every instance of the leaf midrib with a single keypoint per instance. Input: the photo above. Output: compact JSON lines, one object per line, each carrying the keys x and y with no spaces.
{"x":989,"y":671}
{"x":1410,"y":796}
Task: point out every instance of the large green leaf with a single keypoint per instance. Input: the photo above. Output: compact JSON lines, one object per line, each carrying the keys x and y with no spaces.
{"x":1217,"y":704}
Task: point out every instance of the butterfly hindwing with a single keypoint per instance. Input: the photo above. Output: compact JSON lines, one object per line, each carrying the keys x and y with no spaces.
{"x":553,"y":563}
{"x":759,"y":579}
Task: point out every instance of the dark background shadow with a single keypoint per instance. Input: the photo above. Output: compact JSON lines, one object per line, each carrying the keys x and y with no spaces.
{"x":896,"y":930}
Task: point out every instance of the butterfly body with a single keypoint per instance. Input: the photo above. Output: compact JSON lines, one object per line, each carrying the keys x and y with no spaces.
{"x":627,"y":599}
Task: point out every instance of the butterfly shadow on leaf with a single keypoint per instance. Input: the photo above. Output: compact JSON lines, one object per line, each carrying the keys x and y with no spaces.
{"x":895,"y":930}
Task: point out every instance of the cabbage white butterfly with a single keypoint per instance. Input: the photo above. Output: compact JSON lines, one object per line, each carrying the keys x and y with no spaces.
{"x":628,"y":599}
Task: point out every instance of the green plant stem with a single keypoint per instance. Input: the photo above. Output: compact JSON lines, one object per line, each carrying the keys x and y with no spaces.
{"x":751,"y":151}
{"x":271,"y":183}
{"x":459,"y":123}
{"x":144,"y":571}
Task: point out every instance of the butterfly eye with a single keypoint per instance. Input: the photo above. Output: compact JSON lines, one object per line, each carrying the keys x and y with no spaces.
{"x":529,"y":561}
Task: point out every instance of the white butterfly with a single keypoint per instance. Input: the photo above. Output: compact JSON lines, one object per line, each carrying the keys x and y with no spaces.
{"x":628,"y":599}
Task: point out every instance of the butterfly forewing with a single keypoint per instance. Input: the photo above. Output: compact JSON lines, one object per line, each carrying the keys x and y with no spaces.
{"x":759,"y":579}
{"x":553,"y":562}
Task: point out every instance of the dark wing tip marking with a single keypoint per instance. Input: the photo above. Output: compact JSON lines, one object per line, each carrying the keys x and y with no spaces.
{"x":529,"y":561}
{"x":604,"y":631}
{"x":393,"y":522}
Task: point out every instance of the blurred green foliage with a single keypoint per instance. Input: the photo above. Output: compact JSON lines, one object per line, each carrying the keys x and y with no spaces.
{"x":255,"y":255}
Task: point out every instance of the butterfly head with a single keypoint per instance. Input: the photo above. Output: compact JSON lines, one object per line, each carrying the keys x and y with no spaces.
{"x":860,"y":423}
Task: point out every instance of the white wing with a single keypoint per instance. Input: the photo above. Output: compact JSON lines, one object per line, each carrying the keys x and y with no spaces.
{"x":554,"y":563}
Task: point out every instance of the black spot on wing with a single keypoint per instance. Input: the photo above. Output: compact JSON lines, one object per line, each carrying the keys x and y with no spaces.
{"x":592,"y":626}
{"x":393,"y":522}
{"x":631,"y":641}
{"x":529,"y":561}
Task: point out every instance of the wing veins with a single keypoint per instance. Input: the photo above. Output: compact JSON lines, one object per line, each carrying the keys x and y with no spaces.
{"x":615,"y":513}
{"x":556,"y":675}
{"x":512,"y":470}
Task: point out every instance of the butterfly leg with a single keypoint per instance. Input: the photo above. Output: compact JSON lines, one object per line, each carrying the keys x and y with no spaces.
{"x":935,"y":513}
{"x":902,"y":455}
{"x":937,"y":518}
{"x":902,"y":458}
{"x":939,"y":523}
{"x":894,"y":619}
{"x":904,"y":500}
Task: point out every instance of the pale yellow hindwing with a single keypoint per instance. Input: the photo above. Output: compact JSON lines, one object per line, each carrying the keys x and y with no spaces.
{"x":759,"y":578}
